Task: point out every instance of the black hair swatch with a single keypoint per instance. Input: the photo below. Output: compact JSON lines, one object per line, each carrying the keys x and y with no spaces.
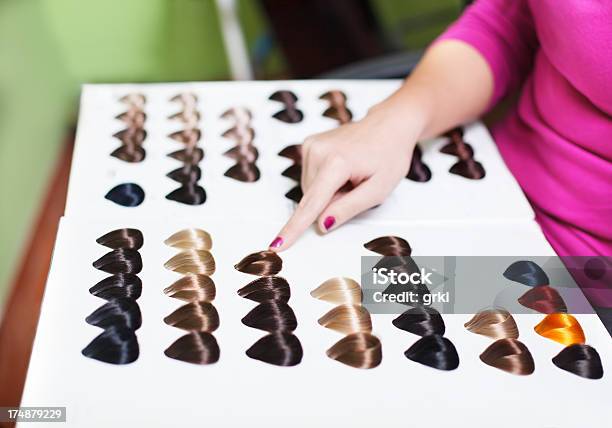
{"x":295,"y":194}
{"x":189,"y":194}
{"x":418,"y":171}
{"x":196,"y":348}
{"x":466,"y":166}
{"x":581,"y":360}
{"x":115,"y":345}
{"x":126,"y":194}
{"x":280,"y":348}
{"x":422,"y":321}
{"x":266,"y":288}
{"x":271,"y":316}
{"x":293,"y":172}
{"x":290,"y":113}
{"x":121,"y":285}
{"x":122,"y":313}
{"x":185,"y":174}
{"x":526,"y":272}
{"x":121,"y":260}
{"x":122,"y":238}
{"x":434,"y":351}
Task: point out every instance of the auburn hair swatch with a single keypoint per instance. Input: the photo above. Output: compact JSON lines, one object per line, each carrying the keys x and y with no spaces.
{"x":190,"y":239}
{"x":196,"y":348}
{"x":389,"y":246}
{"x":360,"y":350}
{"x":271,"y":316}
{"x":121,"y":260}
{"x":509,"y":355}
{"x":290,"y":113}
{"x":337,"y":109}
{"x":339,"y":291}
{"x":496,"y":323}
{"x":266,"y":288}
{"x":133,"y":136}
{"x":418,"y":171}
{"x":280,"y":348}
{"x":526,"y":272}
{"x":192,"y":261}
{"x":347,"y":319}
{"x":262,"y":263}
{"x":122,"y":238}
{"x":244,"y":153}
{"x":562,"y":328}
{"x":466,"y":166}
{"x":434,"y":351}
{"x":126,"y":194}
{"x":422,"y":321}
{"x":581,"y":360}
{"x":543,"y":299}
{"x":121,"y":285}
{"x":194,"y":316}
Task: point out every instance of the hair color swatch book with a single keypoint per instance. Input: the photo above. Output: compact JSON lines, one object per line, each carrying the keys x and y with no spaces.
{"x":158,"y":391}
{"x":218,"y":155}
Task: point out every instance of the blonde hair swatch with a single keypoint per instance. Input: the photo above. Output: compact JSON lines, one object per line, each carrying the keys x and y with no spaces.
{"x":509,"y":355}
{"x":192,"y":261}
{"x":194,"y":316}
{"x":359,"y":350}
{"x":347,"y":319}
{"x":190,"y":239}
{"x":192,"y":288}
{"x":562,"y":328}
{"x":496,"y":323}
{"x":339,"y":290}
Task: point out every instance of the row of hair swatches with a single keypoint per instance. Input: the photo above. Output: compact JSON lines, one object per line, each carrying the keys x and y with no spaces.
{"x":120,"y":316}
{"x":197,"y":316}
{"x":280,"y":346}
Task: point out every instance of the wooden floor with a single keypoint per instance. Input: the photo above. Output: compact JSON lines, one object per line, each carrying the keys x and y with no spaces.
{"x":25,"y":295}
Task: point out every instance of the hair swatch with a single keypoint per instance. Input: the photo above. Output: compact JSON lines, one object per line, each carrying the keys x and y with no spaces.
{"x":121,"y":285}
{"x":194,"y":316}
{"x":118,"y":313}
{"x":134,"y":118}
{"x":466,"y":166}
{"x":418,"y":171}
{"x":190,"y":239}
{"x":337,"y":109}
{"x":126,"y":194}
{"x":192,"y":261}
{"x":340,"y":291}
{"x":509,"y":355}
{"x":295,"y":194}
{"x":290,"y":113}
{"x":187,"y":99}
{"x":130,"y":153}
{"x":188,"y":194}
{"x":241,"y":133}
{"x":189,"y":136}
{"x":262,"y":263}
{"x":115,"y":345}
{"x":192,"y":288}
{"x":496,"y":323}
{"x":246,"y":172}
{"x":122,"y":238}
{"x":195,"y":347}
{"x":293,"y":172}
{"x":280,"y":348}
{"x":389,"y":246}
{"x":347,"y":319}
{"x":543,"y":299}
{"x":244,"y":153}
{"x":359,"y":350}
{"x":190,"y":155}
{"x":121,"y":260}
{"x":131,"y":136}
{"x":562,"y":328}
{"x":266,"y":288}
{"x":293,"y":152}
{"x":434,"y":351}
{"x":581,"y":360}
{"x":271,"y":316}
{"x":526,"y":272}
{"x":238,"y":114}
{"x":185,"y":174}
{"x":422,"y":321}
{"x":189,"y":118}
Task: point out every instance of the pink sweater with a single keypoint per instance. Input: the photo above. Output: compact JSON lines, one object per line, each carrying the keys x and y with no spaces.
{"x":557,"y":140}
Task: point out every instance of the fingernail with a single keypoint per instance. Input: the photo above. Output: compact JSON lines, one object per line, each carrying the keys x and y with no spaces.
{"x":278,"y":241}
{"x":329,"y":222}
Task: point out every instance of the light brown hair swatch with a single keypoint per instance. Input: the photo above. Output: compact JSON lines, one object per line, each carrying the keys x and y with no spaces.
{"x":339,"y":290}
{"x":190,"y":239}
{"x":196,"y":348}
{"x":262,"y":263}
{"x":509,"y":355}
{"x":192,"y":288}
{"x":194,"y":316}
{"x":347,"y":319}
{"x":496,"y":323}
{"x":562,"y":328}
{"x":192,"y":261}
{"x":359,"y":350}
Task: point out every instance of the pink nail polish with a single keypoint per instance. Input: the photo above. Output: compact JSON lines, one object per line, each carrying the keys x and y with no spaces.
{"x":329,"y":222}
{"x":278,"y":241}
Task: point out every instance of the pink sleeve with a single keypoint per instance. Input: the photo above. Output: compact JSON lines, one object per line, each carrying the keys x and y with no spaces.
{"x":503,"y":32}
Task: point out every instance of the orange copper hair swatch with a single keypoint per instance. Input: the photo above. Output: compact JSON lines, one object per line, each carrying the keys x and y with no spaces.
{"x":562,"y":328}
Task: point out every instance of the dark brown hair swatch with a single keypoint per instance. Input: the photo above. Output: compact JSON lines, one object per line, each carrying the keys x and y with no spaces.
{"x":121,"y":285}
{"x":131,"y":136}
{"x":194,"y":316}
{"x":422,"y":321}
{"x":122,"y":238}
{"x":418,"y":171}
{"x":188,"y":194}
{"x":271,"y":316}
{"x":115,"y":345}
{"x":496,"y":323}
{"x":185,"y":174}
{"x":389,"y":246}
{"x":360,"y":350}
{"x":295,"y":194}
{"x":293,"y":172}
{"x":581,"y":360}
{"x":121,"y":260}
{"x":526,"y":272}
{"x":192,"y":288}
{"x":244,"y":171}
{"x":190,"y":155}
{"x":434,"y":351}
{"x":266,"y":288}
{"x":280,"y":348}
{"x":262,"y":263}
{"x":131,"y":153}
{"x":290,"y":113}
{"x":466,"y":166}
{"x":337,"y":109}
{"x":509,"y":355}
{"x":126,"y":194}
{"x":120,"y":312}
{"x":293,"y":152}
{"x":543,"y":299}
{"x":196,"y":348}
